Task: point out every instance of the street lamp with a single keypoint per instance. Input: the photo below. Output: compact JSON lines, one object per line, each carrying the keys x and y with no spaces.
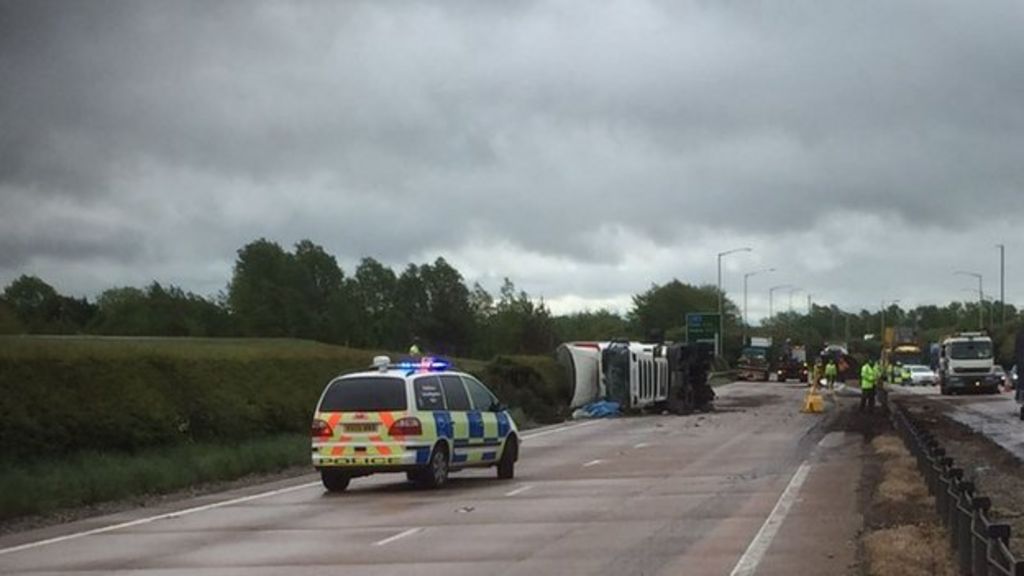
{"x":721,"y":314}
{"x":771,"y":299}
{"x":981,"y":294}
{"x":986,"y":300}
{"x":792,"y":291}
{"x":881,"y":334}
{"x":1002,"y":284}
{"x":745,"y":278}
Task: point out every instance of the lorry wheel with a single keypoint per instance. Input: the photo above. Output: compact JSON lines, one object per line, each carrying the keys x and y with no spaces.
{"x":944,"y":390}
{"x":1022,"y":412}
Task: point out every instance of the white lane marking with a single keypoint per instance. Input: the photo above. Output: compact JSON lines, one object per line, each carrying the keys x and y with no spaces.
{"x":750,"y":560}
{"x":593,"y":463}
{"x":642,"y":445}
{"x":398,"y":536}
{"x":557,"y":430}
{"x":520,"y":490}
{"x":149,"y":519}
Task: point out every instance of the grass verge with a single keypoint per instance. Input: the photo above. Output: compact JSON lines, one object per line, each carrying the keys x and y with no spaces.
{"x":87,"y":478}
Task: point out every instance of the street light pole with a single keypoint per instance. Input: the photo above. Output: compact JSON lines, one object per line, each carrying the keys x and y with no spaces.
{"x":1002,"y":284}
{"x":881,"y":334}
{"x":745,"y":278}
{"x":771,"y":299}
{"x":720,"y":351}
{"x":981,"y":294}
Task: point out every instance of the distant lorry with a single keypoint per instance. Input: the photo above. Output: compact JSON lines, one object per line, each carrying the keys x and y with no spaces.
{"x":966,"y":364}
{"x":901,"y":348}
{"x":792,"y":363}
{"x":754,"y":360}
{"x":639,"y":375}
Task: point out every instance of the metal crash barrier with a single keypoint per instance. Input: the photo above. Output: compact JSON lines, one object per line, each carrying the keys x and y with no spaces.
{"x":981,"y":546}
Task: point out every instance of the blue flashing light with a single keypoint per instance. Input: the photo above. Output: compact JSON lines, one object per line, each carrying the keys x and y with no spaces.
{"x":425,"y":364}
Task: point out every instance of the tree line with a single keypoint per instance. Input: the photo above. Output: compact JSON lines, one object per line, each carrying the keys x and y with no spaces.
{"x":305,"y":293}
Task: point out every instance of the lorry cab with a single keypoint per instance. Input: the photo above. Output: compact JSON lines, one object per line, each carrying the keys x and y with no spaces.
{"x":966,"y":364}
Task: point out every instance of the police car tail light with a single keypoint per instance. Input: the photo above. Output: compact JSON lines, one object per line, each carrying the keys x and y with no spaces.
{"x":408,"y":426}
{"x":321,"y":429}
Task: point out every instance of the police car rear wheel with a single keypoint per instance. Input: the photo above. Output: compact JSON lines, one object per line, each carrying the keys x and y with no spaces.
{"x":507,"y":464}
{"x":334,"y":480}
{"x":436,"y":473}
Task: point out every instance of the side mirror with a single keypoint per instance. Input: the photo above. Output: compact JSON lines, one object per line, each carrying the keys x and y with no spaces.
{"x":498,"y":407}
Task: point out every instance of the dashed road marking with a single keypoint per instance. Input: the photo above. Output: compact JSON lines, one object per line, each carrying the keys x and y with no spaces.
{"x":519,"y":490}
{"x":593,"y":463}
{"x":398,"y":536}
{"x":641,"y":445}
{"x":557,"y":430}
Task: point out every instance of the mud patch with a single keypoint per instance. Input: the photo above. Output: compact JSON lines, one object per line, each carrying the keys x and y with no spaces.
{"x":745,"y":401}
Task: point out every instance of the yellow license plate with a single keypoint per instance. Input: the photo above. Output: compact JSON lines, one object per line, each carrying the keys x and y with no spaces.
{"x":361,"y":427}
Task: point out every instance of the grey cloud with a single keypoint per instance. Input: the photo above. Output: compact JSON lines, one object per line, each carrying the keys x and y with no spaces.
{"x":398,"y":130}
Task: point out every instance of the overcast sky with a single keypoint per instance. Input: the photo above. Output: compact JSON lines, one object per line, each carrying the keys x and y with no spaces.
{"x":866,"y":150}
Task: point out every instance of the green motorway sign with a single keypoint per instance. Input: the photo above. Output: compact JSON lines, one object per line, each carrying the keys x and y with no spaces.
{"x":702,"y":327}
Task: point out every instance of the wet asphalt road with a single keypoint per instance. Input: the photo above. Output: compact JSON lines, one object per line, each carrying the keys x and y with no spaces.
{"x":647,"y":495}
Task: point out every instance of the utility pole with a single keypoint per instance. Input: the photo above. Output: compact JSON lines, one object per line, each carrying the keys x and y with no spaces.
{"x":720,"y":347}
{"x":809,"y":296}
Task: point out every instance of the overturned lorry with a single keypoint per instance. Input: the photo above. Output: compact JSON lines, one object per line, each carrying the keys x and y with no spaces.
{"x":639,"y":376}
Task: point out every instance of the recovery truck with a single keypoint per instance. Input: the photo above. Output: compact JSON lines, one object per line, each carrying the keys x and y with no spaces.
{"x":638,"y":375}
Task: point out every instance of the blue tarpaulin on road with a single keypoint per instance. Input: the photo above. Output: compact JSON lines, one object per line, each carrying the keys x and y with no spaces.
{"x":602,"y":409}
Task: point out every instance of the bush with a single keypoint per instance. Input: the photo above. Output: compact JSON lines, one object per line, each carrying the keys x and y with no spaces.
{"x":61,"y":396}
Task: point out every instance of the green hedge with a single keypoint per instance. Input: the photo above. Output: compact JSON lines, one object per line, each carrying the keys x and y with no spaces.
{"x":61,"y":396}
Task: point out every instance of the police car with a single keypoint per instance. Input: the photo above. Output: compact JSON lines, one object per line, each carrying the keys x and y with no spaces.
{"x":417,"y":416}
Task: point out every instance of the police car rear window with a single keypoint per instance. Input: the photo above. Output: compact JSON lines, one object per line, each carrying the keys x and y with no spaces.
{"x":366,"y":394}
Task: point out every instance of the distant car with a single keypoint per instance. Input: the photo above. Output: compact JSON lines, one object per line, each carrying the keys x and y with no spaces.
{"x":920,"y":375}
{"x":420,"y":417}
{"x":1004,"y":379}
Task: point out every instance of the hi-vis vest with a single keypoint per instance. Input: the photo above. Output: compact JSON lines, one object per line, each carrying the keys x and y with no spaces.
{"x":867,"y":377}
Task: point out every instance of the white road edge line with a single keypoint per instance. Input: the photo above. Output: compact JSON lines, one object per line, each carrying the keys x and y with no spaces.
{"x":593,"y":463}
{"x":398,"y":536}
{"x":561,"y":429}
{"x":149,"y":519}
{"x":519,"y":490}
{"x":755,"y":552}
